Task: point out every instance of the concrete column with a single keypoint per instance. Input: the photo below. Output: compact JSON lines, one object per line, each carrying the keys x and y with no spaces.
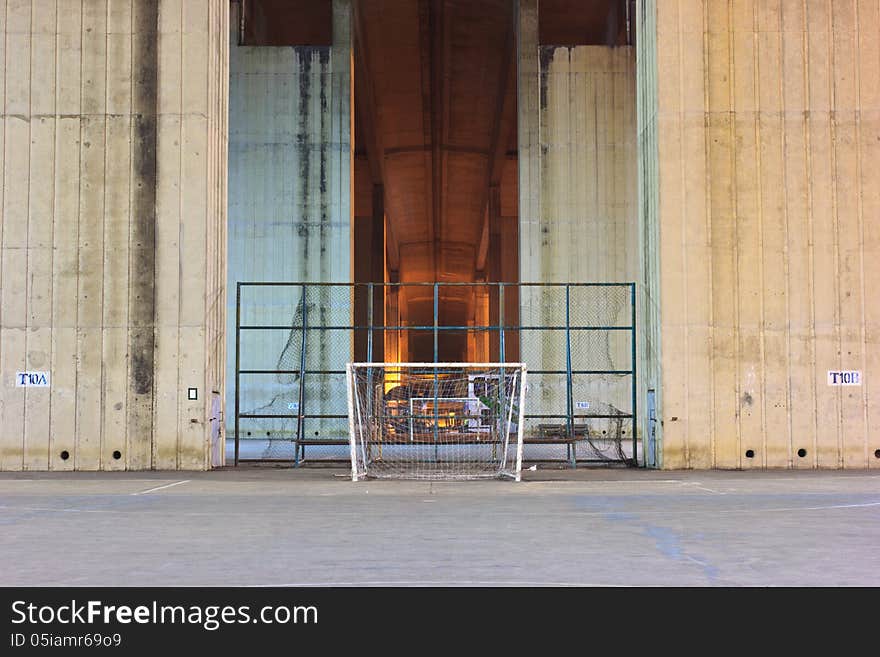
{"x":577,"y":219}
{"x":291,"y":220}
{"x":509,"y":237}
{"x":369,"y":267}
{"x":493,"y":268}
{"x":479,"y":352}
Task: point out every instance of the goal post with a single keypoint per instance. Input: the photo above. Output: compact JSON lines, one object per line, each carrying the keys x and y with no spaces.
{"x":438,"y":421}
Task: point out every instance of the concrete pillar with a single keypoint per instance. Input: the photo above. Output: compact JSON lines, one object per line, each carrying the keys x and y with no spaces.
{"x":509,"y":237}
{"x":109,"y":264}
{"x":494,"y":268}
{"x":291,"y":220}
{"x":578,"y":222}
{"x":369,"y":267}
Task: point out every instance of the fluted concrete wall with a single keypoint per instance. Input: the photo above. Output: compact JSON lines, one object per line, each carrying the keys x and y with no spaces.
{"x":113,"y":220}
{"x":769,"y":191}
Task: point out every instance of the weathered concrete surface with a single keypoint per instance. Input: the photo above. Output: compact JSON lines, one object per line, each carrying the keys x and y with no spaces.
{"x":113,"y":142}
{"x":290,"y":219}
{"x":578,"y":213}
{"x":769,"y":193}
{"x":313,"y":526}
{"x":585,"y":125}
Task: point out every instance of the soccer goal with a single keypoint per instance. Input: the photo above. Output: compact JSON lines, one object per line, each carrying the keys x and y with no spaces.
{"x":436,"y":420}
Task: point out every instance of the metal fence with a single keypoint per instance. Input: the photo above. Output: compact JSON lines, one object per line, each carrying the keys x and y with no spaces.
{"x":293,"y":340}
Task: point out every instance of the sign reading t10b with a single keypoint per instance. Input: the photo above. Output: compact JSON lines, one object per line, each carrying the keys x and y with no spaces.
{"x":844,"y":378}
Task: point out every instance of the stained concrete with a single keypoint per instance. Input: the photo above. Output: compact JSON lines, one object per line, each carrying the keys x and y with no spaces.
{"x":112,"y":168}
{"x":768,"y":125}
{"x":289,"y":220}
{"x":278,"y":526}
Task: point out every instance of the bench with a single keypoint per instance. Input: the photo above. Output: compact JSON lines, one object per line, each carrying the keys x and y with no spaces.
{"x":557,"y":434}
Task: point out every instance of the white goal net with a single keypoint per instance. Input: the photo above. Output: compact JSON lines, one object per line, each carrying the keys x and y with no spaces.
{"x":436,"y":420}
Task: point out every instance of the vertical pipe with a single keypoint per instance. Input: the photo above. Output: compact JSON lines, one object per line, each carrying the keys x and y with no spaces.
{"x":302,"y":380}
{"x":569,"y":402}
{"x":633,"y":356}
{"x":237,"y":363}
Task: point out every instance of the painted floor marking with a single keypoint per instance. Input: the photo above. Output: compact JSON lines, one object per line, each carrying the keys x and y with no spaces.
{"x":153,"y":490}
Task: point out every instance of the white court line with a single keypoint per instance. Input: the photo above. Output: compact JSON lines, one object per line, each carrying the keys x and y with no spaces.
{"x":836,"y":506}
{"x":603,"y":482}
{"x":696,"y":484}
{"x":151,"y":490}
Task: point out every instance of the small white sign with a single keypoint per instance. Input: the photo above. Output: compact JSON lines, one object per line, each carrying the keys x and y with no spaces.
{"x":844,"y":378}
{"x":293,"y":406}
{"x":32,"y":379}
{"x":582,"y":405}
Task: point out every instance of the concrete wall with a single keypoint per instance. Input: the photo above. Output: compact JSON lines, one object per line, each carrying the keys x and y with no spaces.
{"x":113,"y":219}
{"x":289,"y":220}
{"x":769,"y":139}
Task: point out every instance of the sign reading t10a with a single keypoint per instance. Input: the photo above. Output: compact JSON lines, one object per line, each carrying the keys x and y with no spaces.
{"x":31,"y":379}
{"x":844,"y":378}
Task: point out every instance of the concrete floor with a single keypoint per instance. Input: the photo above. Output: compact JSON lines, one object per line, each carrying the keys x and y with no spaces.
{"x":275,"y":526}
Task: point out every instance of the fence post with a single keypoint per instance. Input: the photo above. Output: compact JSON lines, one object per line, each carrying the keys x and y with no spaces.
{"x":237,"y":363}
{"x":501,"y":358}
{"x":370,"y":382}
{"x":369,"y":323}
{"x":569,"y":392}
{"x":302,"y":380}
{"x":436,"y":355}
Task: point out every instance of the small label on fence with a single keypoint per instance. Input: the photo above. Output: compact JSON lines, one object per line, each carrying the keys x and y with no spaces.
{"x":31,"y":379}
{"x":844,"y":378}
{"x":293,"y":406}
{"x":582,"y":405}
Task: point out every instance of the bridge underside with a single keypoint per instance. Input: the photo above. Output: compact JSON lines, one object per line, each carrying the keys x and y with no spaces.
{"x":435,"y":139}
